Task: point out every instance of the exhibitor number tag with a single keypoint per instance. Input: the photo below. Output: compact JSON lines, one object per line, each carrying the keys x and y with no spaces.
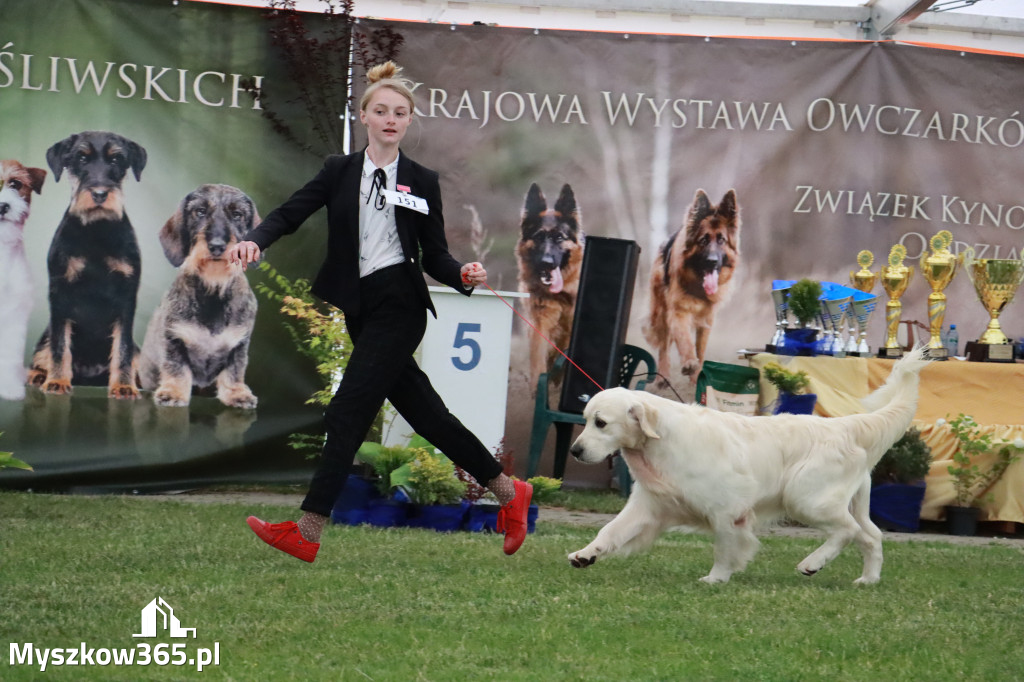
{"x":408,"y":200}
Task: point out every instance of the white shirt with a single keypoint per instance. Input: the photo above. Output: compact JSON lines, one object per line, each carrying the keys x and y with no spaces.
{"x":379,"y":245}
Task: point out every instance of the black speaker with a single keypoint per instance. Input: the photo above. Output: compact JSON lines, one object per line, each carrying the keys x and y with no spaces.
{"x":602,"y":315}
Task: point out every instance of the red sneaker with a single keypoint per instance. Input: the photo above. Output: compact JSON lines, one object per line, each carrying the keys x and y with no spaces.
{"x":285,"y":537}
{"x":512,"y":517}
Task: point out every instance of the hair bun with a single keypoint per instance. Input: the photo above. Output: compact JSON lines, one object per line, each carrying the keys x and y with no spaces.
{"x":385,"y":71}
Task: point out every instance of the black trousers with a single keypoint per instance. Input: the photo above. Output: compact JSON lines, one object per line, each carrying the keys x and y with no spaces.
{"x":385,"y":335}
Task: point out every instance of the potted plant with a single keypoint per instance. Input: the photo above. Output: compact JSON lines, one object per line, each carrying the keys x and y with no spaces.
{"x":972,"y":481}
{"x":390,"y":465}
{"x":804,"y":303}
{"x":792,"y":387}
{"x":898,"y":485}
{"x":436,"y":492}
{"x":8,"y":460}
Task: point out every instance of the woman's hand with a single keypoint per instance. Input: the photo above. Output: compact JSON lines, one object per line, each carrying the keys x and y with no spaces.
{"x":244,"y":253}
{"x":473,"y":274}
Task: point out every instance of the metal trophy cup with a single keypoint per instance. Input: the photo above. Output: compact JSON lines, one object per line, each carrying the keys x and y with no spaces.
{"x":780,"y":296}
{"x":864,"y":281}
{"x":834,"y":302}
{"x":939,"y":269}
{"x":863,"y":305}
{"x":995,"y":281}
{"x":895,"y":277}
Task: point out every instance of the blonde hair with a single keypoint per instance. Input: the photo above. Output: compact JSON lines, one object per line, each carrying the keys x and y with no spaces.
{"x":387,"y":75}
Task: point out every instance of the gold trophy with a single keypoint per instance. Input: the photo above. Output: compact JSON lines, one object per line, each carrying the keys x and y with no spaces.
{"x":895,"y":277}
{"x":995,"y":281}
{"x":938,"y":268}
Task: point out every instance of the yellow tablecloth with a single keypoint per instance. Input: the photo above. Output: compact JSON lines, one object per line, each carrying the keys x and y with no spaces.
{"x":992,"y":393}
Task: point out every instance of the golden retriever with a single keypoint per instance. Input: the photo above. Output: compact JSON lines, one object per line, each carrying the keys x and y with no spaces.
{"x":727,"y":473}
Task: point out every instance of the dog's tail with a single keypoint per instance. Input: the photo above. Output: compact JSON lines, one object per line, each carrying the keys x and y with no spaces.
{"x":902,"y":382}
{"x":896,"y":399}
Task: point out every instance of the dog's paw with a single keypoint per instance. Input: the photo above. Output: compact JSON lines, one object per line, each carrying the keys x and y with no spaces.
{"x":57,"y":387}
{"x":123,"y":392}
{"x":35,"y":377}
{"x":690,"y":367}
{"x":714,"y":580}
{"x":866,"y":580}
{"x":167,"y":398}
{"x":242,"y":399}
{"x":579,"y":561}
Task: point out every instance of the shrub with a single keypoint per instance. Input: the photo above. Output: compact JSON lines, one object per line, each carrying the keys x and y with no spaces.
{"x":907,"y":461}
{"x":784,"y":380}
{"x":803,"y":300}
{"x":970,"y":482}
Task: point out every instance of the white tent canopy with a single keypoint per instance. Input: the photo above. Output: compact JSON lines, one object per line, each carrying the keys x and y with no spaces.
{"x":996,"y":25}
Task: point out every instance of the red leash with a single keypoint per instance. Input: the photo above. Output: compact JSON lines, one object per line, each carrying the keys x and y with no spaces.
{"x":530,"y":324}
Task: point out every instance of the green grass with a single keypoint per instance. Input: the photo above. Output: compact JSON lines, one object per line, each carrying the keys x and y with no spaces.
{"x":405,"y":604}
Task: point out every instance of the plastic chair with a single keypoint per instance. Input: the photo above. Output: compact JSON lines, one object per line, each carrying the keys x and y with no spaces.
{"x":544,"y":416}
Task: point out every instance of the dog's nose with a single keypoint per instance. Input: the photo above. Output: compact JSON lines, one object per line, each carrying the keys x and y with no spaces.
{"x":4,"y":208}
{"x":576,"y":450}
{"x":217,"y":247}
{"x":99,"y":196}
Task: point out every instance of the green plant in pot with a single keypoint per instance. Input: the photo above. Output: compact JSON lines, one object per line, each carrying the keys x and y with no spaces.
{"x":804,"y":303}
{"x":8,"y":460}
{"x":792,"y":387}
{"x":436,"y":492}
{"x":972,"y":481}
{"x":898,"y":483}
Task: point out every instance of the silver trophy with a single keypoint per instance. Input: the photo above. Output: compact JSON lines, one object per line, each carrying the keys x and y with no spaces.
{"x":863,"y":305}
{"x":835,"y":305}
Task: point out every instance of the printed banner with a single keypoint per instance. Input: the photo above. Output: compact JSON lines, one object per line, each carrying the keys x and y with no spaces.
{"x":731,"y":162}
{"x":140,"y":104}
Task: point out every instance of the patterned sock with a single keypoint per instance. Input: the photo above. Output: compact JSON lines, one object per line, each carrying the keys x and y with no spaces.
{"x":503,"y":488}
{"x":311,"y":526}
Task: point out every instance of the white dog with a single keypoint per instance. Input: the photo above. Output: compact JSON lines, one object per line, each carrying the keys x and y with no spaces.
{"x":16,"y":186}
{"x":726,"y":472}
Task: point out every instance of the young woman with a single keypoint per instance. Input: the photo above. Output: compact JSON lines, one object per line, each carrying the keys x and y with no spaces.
{"x":376,"y":253}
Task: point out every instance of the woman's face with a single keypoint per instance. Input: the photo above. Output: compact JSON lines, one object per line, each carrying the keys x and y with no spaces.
{"x":386,"y":117}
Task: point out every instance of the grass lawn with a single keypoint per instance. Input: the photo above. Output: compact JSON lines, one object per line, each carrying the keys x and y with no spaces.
{"x":409,"y":604}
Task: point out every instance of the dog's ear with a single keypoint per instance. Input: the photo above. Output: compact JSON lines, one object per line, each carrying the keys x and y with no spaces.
{"x":535,"y":203}
{"x":174,"y":237}
{"x":699,"y":209}
{"x":647,"y":417}
{"x":136,"y":158}
{"x":566,"y":206}
{"x":38,"y":175}
{"x":56,"y":156}
{"x":728,"y":208}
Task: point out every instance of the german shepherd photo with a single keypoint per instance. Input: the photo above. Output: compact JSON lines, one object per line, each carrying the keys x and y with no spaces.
{"x":690,"y":279}
{"x":550,"y":255}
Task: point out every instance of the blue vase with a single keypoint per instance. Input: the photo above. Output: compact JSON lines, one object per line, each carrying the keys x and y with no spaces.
{"x":799,"y":341}
{"x":444,"y":518}
{"x":386,"y":513}
{"x":796,"y":403}
{"x":897,"y":506}
{"x":352,"y":505}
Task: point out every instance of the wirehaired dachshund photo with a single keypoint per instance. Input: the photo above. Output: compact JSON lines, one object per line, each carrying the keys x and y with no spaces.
{"x":199,"y":335}
{"x":94,"y":267}
{"x":17,"y":183}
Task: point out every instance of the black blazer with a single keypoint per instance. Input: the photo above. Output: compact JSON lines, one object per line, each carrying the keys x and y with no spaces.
{"x":336,"y":186}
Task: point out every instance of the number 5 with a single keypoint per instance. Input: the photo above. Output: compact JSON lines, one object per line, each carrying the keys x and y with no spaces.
{"x":461,"y":341}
